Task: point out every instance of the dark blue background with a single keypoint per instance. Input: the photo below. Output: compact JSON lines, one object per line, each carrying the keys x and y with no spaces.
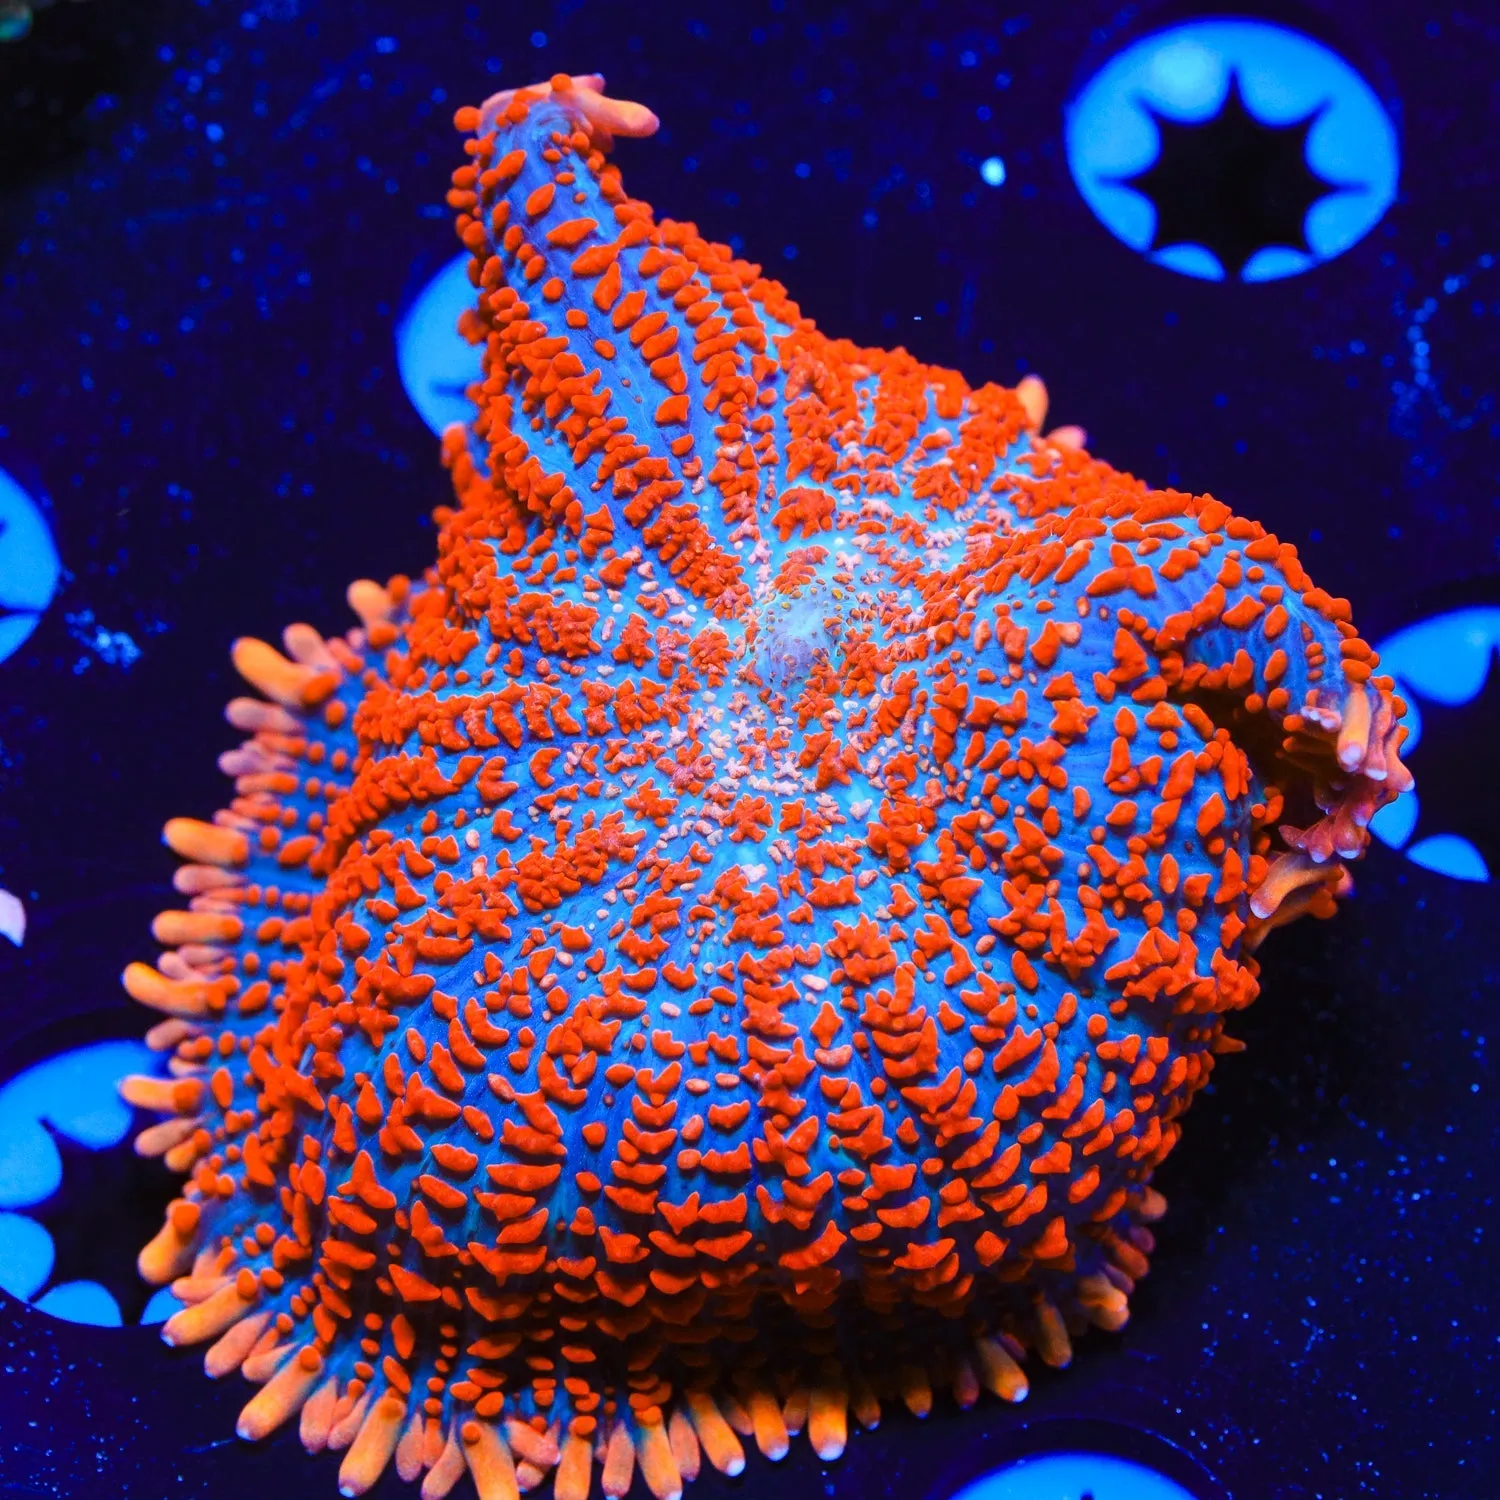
{"x":211,"y":216}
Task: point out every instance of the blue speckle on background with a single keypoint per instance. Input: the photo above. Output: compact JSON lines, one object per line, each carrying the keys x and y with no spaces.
{"x":114,"y":648}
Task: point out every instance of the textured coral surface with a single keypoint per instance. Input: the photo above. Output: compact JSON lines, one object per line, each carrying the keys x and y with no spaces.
{"x":732,"y":942}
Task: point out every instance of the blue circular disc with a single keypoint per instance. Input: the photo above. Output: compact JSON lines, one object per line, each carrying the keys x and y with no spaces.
{"x":1074,"y":1476}
{"x":72,"y":1095}
{"x":29,"y":566}
{"x":437,"y":363}
{"x":1171,"y":140}
{"x":1448,"y":663}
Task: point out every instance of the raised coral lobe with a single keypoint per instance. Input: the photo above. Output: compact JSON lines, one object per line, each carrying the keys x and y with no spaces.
{"x":732,"y":944}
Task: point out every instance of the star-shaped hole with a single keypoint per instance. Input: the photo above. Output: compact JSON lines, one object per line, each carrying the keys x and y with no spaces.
{"x":1232,"y":184}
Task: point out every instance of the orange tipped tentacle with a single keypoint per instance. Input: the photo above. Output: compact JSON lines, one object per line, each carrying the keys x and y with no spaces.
{"x":1070,"y":437}
{"x":916,"y":1389}
{"x":1354,"y":731}
{"x":999,"y":1370}
{"x":373,"y":1446}
{"x":446,"y":1471}
{"x":684,"y":1440}
{"x":282,"y":1396}
{"x":305,"y":646}
{"x":233,"y":1347}
{"x":619,"y":1462}
{"x":371,"y":602}
{"x":1052,"y":1341}
{"x":582,"y":96}
{"x":202,"y":880}
{"x":719,"y":1442}
{"x":348,"y":1417}
{"x":215,"y":1313}
{"x":318,"y":1416}
{"x":863,"y":1402}
{"x":165,"y":1095}
{"x":287,"y":684}
{"x":178,"y":927}
{"x":165,"y":1035}
{"x":170,"y":1252}
{"x":574,"y":1477}
{"x":411,"y":1449}
{"x":255,"y":716}
{"x":539,"y":1448}
{"x":769,"y":1426}
{"x":575,"y":1468}
{"x":1290,"y":872}
{"x":206,"y":843}
{"x":490,"y":1461}
{"x":1105,"y":1305}
{"x":658,"y":1463}
{"x":158,"y":1139}
{"x":186,"y":999}
{"x":828,"y":1421}
{"x":1031,"y":392}
{"x":266,"y":1358}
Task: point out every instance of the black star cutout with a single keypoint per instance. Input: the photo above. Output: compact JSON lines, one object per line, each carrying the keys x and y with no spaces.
{"x":1454,"y":763}
{"x":108,"y":1204}
{"x":1232,"y":183}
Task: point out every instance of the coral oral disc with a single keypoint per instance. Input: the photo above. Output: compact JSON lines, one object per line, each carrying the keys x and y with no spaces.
{"x":727,"y":948}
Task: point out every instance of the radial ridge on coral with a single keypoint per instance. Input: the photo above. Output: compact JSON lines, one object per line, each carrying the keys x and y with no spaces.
{"x":727,"y":948}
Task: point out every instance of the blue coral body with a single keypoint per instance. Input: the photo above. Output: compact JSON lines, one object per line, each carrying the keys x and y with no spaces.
{"x":736,"y":937}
